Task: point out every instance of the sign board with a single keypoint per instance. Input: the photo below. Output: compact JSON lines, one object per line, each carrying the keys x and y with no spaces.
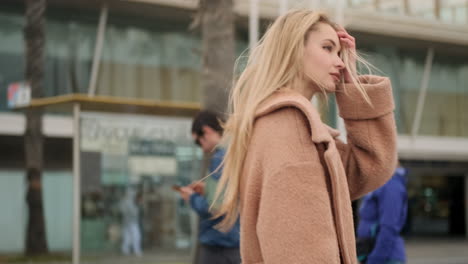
{"x":19,"y":94}
{"x":131,"y":147}
{"x":125,"y":134}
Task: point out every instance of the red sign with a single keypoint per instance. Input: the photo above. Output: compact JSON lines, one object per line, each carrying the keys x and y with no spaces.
{"x":19,"y":94}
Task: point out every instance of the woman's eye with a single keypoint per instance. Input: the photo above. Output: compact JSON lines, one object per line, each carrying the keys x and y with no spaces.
{"x":329,"y":48}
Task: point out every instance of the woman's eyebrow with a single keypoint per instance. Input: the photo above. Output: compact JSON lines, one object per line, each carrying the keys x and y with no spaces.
{"x":332,"y":42}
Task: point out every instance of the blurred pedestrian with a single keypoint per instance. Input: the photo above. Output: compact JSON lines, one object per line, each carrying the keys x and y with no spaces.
{"x":216,"y":246}
{"x":382,"y":217}
{"x":131,"y":234}
{"x":285,"y":171}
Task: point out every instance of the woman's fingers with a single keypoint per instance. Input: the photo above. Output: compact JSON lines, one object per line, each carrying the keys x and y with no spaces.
{"x":349,"y":40}
{"x":345,"y":33}
{"x":349,"y":43}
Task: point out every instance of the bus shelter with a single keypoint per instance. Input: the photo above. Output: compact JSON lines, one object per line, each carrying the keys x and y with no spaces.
{"x":121,"y":144}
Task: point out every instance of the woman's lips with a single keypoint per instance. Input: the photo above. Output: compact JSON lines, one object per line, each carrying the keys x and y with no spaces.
{"x":336,"y":76}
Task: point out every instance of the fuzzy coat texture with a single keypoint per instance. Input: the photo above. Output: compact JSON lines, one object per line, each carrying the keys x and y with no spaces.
{"x":299,"y":180}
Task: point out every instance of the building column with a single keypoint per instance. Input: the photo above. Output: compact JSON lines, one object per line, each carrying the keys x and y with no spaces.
{"x":98,"y":50}
{"x":76,"y":242}
{"x":253,"y":24}
{"x":339,"y":19}
{"x":422,"y":92}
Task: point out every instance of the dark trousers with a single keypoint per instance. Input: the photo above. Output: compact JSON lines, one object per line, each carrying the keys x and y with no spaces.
{"x":218,"y":255}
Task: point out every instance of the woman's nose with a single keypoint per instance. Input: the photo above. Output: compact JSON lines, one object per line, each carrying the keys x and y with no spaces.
{"x":339,"y":64}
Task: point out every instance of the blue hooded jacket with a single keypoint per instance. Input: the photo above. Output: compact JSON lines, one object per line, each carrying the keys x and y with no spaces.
{"x":208,"y":235}
{"x":387,"y":207}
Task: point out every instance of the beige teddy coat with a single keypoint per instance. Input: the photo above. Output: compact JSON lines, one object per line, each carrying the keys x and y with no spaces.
{"x":299,"y":180}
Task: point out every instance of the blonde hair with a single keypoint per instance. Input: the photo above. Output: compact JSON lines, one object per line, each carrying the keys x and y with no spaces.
{"x":276,"y":62}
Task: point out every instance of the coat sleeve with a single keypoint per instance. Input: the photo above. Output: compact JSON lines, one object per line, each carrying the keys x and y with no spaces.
{"x":369,"y":157}
{"x":295,"y":223}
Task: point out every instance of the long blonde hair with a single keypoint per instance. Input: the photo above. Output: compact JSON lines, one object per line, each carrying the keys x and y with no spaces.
{"x":276,"y":62}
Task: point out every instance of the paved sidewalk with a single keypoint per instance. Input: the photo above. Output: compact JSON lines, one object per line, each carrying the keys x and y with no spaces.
{"x":419,"y":251}
{"x":146,"y":259}
{"x":437,"y":251}
{"x":160,"y":257}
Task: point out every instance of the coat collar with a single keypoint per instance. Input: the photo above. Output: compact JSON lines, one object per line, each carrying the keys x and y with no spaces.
{"x":321,"y":133}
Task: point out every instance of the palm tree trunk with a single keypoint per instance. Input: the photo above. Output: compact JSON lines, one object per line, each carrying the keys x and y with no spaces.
{"x":216,"y":18}
{"x":36,"y":242}
{"x":217,"y":27}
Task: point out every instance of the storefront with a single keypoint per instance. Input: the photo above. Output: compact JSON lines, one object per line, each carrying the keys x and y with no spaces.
{"x":436,"y":198}
{"x":120,"y":146}
{"x":145,"y":154}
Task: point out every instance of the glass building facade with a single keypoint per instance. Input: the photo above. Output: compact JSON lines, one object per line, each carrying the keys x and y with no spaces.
{"x":141,"y":59}
{"x":138,"y":62}
{"x":446,"y":105}
{"x":145,"y":60}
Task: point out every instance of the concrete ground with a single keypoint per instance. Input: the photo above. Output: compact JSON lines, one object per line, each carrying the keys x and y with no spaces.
{"x":419,"y":251}
{"x":437,"y":251}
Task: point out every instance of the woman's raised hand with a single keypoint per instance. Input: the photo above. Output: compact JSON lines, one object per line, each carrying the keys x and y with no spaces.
{"x":349,"y":43}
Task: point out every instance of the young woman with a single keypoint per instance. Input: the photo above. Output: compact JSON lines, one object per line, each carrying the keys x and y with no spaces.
{"x":285,"y":172}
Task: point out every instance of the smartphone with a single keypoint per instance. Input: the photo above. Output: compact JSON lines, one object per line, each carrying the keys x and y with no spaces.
{"x":176,"y":187}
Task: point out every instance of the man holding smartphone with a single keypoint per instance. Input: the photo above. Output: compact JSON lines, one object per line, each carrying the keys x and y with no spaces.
{"x":216,"y":246}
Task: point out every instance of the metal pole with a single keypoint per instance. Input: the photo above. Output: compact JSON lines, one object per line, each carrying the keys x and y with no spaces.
{"x":98,"y":50}
{"x":454,"y":14}
{"x":377,"y":5}
{"x":340,"y":125}
{"x":253,"y":24}
{"x":76,"y":185}
{"x":314,"y":4}
{"x":339,"y":18}
{"x":406,"y":7}
{"x":315,"y":102}
{"x":283,"y":7}
{"x":437,"y":6}
{"x":422,"y":92}
{"x":339,"y":12}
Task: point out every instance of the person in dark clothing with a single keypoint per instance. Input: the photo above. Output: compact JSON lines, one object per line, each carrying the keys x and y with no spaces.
{"x":216,"y":246}
{"x":382,"y":216}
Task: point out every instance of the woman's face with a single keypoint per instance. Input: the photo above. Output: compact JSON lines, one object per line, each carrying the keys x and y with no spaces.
{"x":322,"y":60}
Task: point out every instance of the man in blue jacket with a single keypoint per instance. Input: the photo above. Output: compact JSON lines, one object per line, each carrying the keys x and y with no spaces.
{"x":382,"y":216}
{"x":216,"y":246}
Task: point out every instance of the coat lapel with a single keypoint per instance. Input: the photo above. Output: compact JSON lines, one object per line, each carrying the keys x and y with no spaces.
{"x":321,"y":133}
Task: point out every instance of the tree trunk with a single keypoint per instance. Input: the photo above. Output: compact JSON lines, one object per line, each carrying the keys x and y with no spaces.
{"x":216,"y":18}
{"x":36,"y":242}
{"x":217,"y":27}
